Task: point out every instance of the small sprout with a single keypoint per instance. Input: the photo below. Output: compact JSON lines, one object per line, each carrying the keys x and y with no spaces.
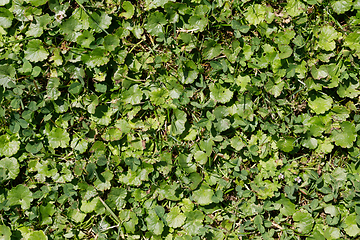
{"x":60,"y":16}
{"x":298,"y":180}
{"x":281,"y":176}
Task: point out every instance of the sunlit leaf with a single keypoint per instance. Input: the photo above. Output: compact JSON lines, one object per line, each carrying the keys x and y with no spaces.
{"x":303,"y":221}
{"x":20,"y":195}
{"x":320,"y":102}
{"x":9,"y":146}
{"x":345,"y":136}
{"x":59,"y":137}
{"x":203,"y":196}
{"x":6,"y":18}
{"x":35,"y":52}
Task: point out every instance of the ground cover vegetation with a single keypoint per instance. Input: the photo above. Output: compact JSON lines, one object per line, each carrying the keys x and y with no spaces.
{"x":194,"y":119}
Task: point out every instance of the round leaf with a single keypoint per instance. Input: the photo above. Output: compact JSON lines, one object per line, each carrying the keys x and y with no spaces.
{"x":175,"y":218}
{"x":7,"y":74}
{"x":111,"y":42}
{"x":351,"y":228}
{"x":129,"y":10}
{"x":5,"y":232}
{"x":59,"y":138}
{"x":8,"y":146}
{"x":11,"y":166}
{"x":97,"y":57}
{"x":20,"y":195}
{"x":320,"y":103}
{"x":345,"y":136}
{"x":220,"y":94}
{"x":203,"y":196}
{"x":303,"y":222}
{"x":155,"y":22}
{"x":286,"y":144}
{"x":38,"y":235}
{"x":35,"y":52}
{"x":6,"y":18}
{"x":341,"y":6}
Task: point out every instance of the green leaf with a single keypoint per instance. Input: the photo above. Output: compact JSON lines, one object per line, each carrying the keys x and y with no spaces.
{"x":4,"y":2}
{"x":332,"y":210}
{"x":286,"y":51}
{"x":219,"y":93}
{"x":349,"y":89}
{"x":95,"y":58}
{"x":154,"y":224}
{"x":75,"y":88}
{"x":35,"y":52}
{"x":46,"y":214}
{"x":243,"y":82}
{"x":150,"y":4}
{"x":85,"y":39}
{"x":319,"y":102}
{"x":284,"y":38}
{"x":168,"y":191}
{"x":100,"y":22}
{"x":102,"y":115}
{"x":331,"y":233}
{"x":129,"y":10}
{"x":341,"y":6}
{"x":59,"y":137}
{"x":178,"y":124}
{"x":193,"y":222}
{"x":111,"y":42}
{"x":356,"y":4}
{"x":20,"y":195}
{"x":89,"y":206}
{"x":327,"y":36}
{"x":9,"y":146}
{"x":286,"y":144}
{"x":295,"y":8}
{"x":133,"y":95}
{"x":52,"y":89}
{"x":10,"y":166}
{"x":352,"y":40}
{"x":274,"y":88}
{"x":155,"y":22}
{"x":255,"y":14}
{"x":188,"y":73}
{"x":112,"y":134}
{"x":339,"y":113}
{"x":36,"y":30}
{"x":7,"y":75}
{"x":70,"y":29}
{"x":102,"y":183}
{"x":158,"y":96}
{"x":351,"y":228}
{"x":76,"y":215}
{"x":310,"y":142}
{"x":211,"y":50}
{"x":288,"y":208}
{"x":6,"y":18}
{"x":345,"y":136}
{"x":5,"y":232}
{"x":175,"y":218}
{"x":116,"y":198}
{"x":130,"y":225}
{"x":203,"y":196}
{"x":222,"y":125}
{"x":197,"y":23}
{"x":36,"y":3}
{"x":303,"y":222}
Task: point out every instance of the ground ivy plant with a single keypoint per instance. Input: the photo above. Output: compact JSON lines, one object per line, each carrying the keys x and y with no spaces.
{"x":179,"y":120}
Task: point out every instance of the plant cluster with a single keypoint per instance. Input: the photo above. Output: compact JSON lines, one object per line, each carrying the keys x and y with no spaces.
{"x":179,"y":120}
